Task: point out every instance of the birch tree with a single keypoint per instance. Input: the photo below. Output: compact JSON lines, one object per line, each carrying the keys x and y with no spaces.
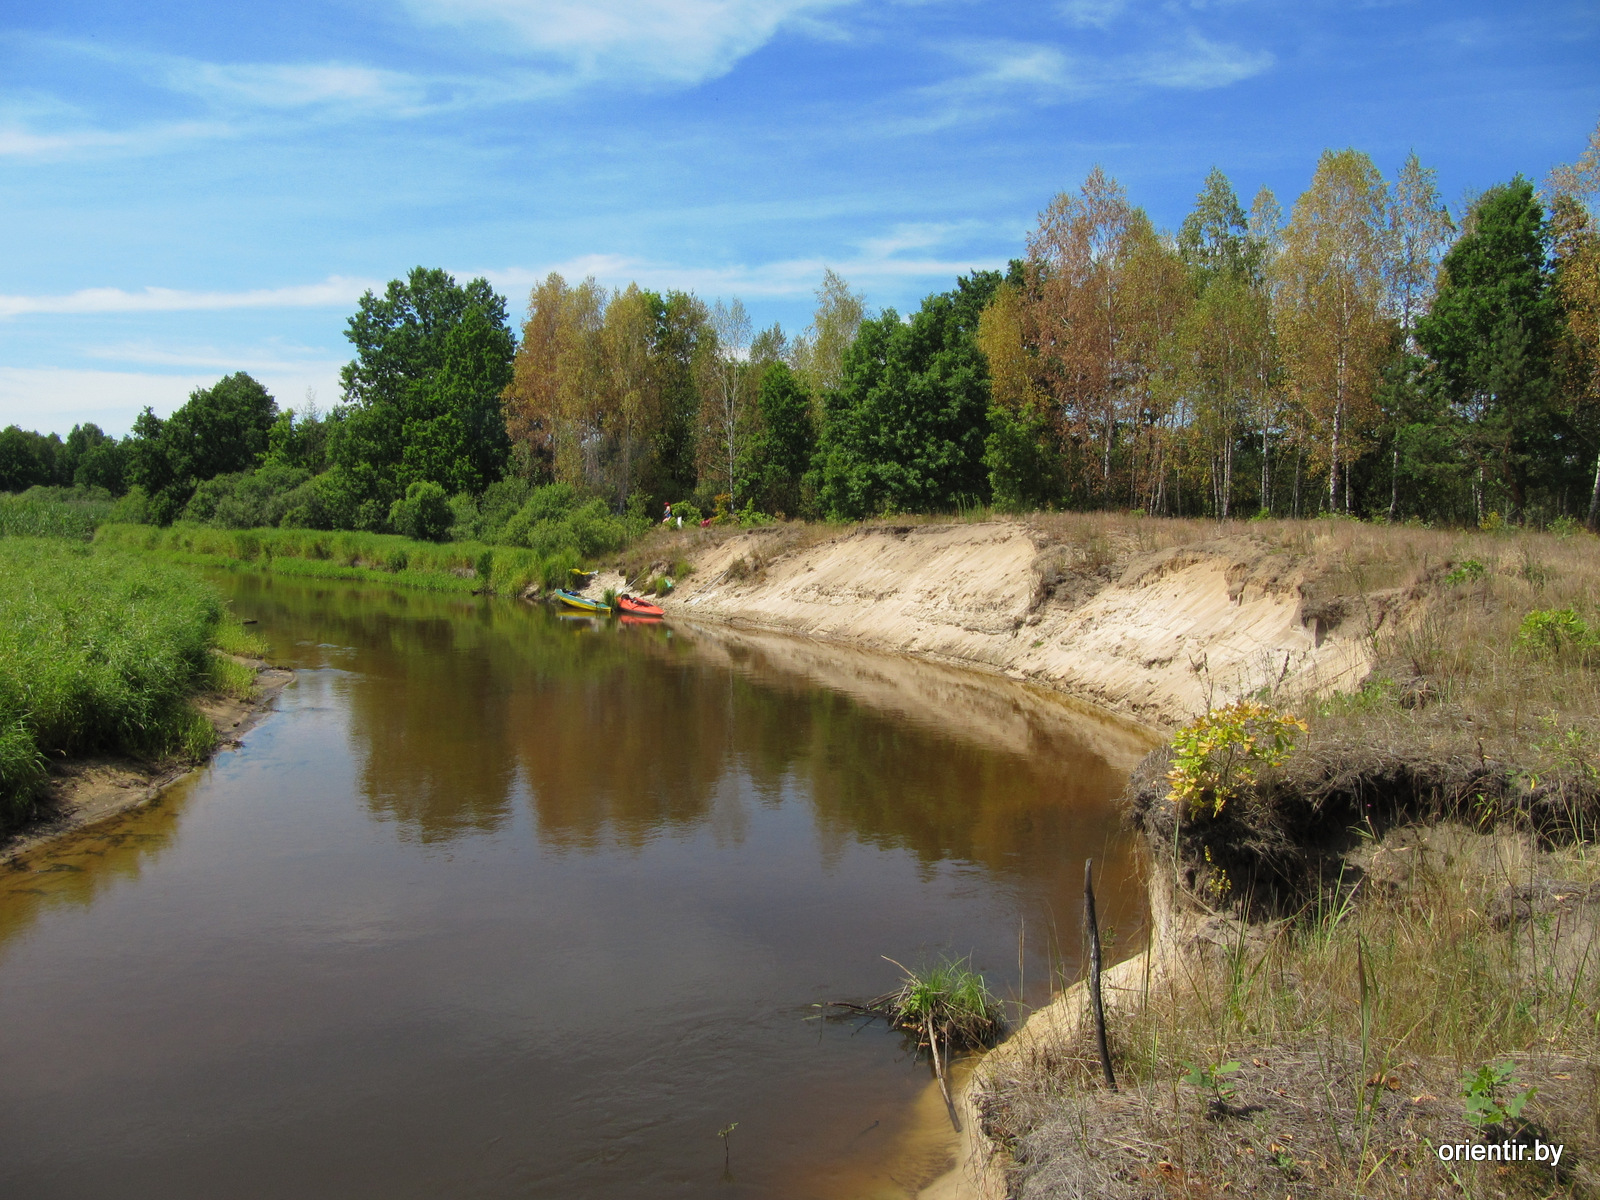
{"x":1330,"y":291}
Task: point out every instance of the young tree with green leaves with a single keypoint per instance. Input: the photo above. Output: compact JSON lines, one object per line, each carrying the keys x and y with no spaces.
{"x":1329,"y":291}
{"x":818,"y":353}
{"x":726,"y":408}
{"x":1491,"y":334}
{"x":905,"y":430}
{"x":1575,"y":237}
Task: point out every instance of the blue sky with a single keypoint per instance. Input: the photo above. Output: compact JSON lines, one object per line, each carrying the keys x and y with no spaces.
{"x":193,"y":188}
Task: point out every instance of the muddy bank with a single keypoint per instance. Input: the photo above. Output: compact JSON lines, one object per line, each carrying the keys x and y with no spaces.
{"x":1155,"y":634}
{"x":84,"y":791}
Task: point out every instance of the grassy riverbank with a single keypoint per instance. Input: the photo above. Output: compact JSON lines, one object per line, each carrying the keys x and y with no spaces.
{"x":461,"y":567}
{"x":100,"y":652}
{"x":1388,"y":943}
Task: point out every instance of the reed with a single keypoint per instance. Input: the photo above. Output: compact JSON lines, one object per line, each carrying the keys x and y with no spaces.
{"x":101,"y":652}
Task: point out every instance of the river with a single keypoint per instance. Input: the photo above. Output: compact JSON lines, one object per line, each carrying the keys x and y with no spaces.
{"x":500,"y":904}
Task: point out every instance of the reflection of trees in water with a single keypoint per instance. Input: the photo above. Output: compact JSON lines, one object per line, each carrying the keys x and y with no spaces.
{"x":620,"y":734}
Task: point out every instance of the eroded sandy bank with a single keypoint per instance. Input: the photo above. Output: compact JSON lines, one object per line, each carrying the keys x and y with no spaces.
{"x":1157,"y":635}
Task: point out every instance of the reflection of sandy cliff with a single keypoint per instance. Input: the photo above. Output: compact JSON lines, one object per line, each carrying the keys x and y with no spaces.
{"x":620,"y":734}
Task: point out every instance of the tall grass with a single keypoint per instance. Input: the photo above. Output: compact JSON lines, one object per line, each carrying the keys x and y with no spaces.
{"x":55,"y":512}
{"x":100,"y":651}
{"x":313,"y":554}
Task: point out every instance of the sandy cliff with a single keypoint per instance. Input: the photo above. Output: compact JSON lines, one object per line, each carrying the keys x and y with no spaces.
{"x":1157,"y":635}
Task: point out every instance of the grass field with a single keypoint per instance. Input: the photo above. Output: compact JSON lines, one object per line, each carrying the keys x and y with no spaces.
{"x":55,"y":512}
{"x":312,"y":554}
{"x":101,"y":652}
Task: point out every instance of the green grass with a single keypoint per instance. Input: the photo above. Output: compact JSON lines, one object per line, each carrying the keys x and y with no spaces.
{"x":949,"y":998}
{"x":101,"y":651}
{"x":54,"y":512}
{"x":460,"y":567}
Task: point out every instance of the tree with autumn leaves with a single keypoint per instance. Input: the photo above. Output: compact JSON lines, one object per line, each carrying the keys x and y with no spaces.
{"x":1368,"y":355}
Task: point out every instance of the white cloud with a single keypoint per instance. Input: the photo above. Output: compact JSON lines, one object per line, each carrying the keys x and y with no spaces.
{"x":219,"y":358}
{"x":54,"y":399}
{"x":646,"y":41}
{"x":297,"y":85}
{"x":18,"y":141}
{"x":336,"y":291}
{"x":1199,"y":64}
{"x":783,"y":279}
{"x":1096,"y":14}
{"x":1003,"y":73}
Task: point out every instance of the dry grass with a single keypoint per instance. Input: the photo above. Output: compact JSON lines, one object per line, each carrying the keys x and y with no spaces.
{"x":1421,"y":886}
{"x":1352,"y":1027}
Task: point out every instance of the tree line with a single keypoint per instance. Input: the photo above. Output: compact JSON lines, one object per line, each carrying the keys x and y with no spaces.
{"x":1368,"y":353}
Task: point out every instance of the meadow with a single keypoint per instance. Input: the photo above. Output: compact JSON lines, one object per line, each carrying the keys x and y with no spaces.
{"x":313,"y":554}
{"x":101,"y":652}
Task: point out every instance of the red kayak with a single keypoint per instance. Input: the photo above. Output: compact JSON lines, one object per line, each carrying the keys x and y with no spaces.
{"x":639,"y":608}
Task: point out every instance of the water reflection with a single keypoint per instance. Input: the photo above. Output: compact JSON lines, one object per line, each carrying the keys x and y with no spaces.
{"x":621,"y":734}
{"x":502,"y":905}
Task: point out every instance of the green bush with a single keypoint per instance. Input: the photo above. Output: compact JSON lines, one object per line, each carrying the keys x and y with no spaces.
{"x":1557,"y":631}
{"x":99,"y":651}
{"x":424,"y":514}
{"x":248,"y":499}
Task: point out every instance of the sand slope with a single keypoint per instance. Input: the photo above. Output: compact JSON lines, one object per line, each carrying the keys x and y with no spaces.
{"x":1157,"y":636}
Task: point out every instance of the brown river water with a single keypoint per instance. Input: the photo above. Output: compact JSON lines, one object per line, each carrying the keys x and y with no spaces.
{"x":499,"y":904}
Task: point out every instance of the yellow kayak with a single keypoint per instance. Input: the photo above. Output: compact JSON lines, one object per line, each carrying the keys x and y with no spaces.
{"x":575,"y":601}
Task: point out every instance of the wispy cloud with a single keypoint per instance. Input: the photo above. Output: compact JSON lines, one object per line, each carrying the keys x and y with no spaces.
{"x":297,"y":85}
{"x":336,"y":291}
{"x":1002,"y":74}
{"x":279,"y":359}
{"x":1093,"y":14}
{"x":19,"y":141}
{"x":782,"y":279}
{"x":636,"y":41}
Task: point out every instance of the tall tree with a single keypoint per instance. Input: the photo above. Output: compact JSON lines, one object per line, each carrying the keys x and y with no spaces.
{"x":1265,"y":226}
{"x":819,"y":352}
{"x":1417,"y":431}
{"x":1574,"y":189}
{"x":726,"y":398}
{"x":1491,"y":333}
{"x":633,"y":396}
{"x":905,"y":429}
{"x":1224,"y":331}
{"x":780,"y":450}
{"x":1080,"y":324}
{"x":422,"y":396}
{"x":1330,"y":291}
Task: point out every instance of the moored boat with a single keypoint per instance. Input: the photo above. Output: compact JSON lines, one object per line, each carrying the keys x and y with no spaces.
{"x":581,"y":603}
{"x":636,"y":607}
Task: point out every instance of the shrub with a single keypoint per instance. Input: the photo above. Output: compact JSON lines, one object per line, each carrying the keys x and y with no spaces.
{"x":1556,"y":631}
{"x":1217,"y":757}
{"x":424,"y":514}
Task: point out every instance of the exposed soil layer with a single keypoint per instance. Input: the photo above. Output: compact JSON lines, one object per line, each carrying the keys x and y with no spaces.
{"x":1156,"y":634}
{"x":83,"y":791}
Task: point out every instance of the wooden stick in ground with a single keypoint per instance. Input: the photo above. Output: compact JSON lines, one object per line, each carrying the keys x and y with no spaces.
{"x":938,"y":1069}
{"x":1093,"y":927}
